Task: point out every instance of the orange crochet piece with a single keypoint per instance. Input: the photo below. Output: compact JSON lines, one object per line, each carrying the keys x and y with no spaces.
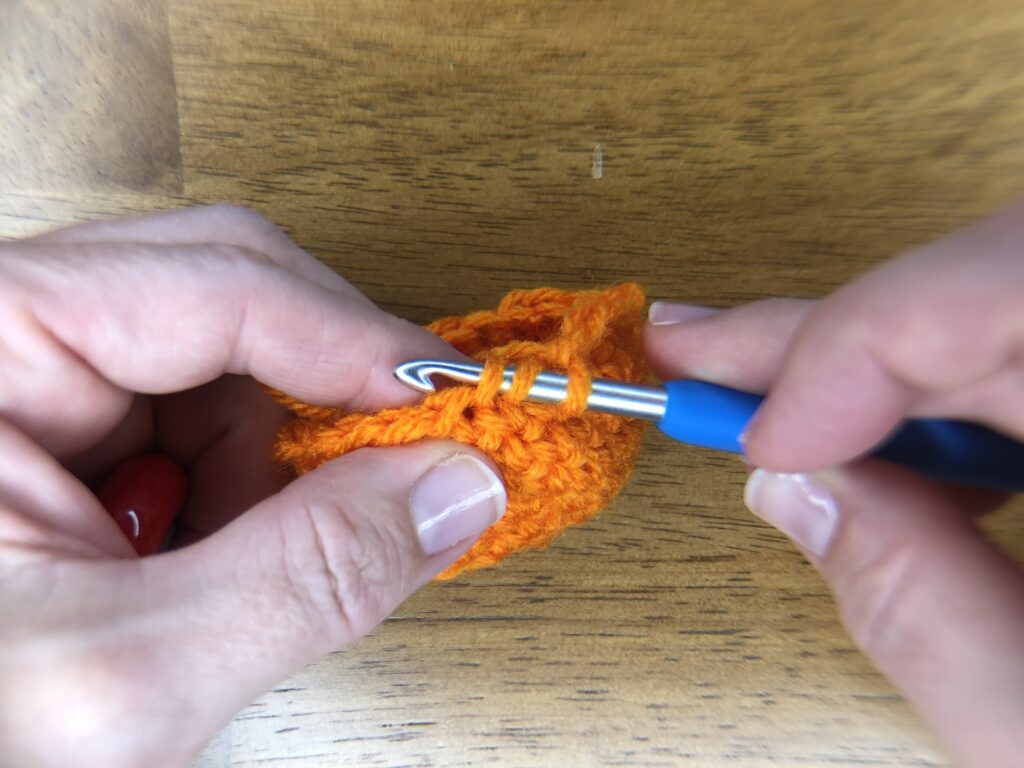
{"x":561,"y":463}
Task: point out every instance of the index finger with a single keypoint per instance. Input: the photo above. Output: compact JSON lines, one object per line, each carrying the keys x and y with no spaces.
{"x":936,"y":333}
{"x":91,"y":322}
{"x":204,"y":225}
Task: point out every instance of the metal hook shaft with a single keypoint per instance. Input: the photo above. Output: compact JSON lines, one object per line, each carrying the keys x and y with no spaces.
{"x":606,"y":396}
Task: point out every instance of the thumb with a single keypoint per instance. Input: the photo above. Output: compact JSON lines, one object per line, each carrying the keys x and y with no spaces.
{"x":313,"y":568}
{"x":922,"y":591}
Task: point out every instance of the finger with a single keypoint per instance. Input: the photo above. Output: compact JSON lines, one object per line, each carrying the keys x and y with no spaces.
{"x":133,"y":435}
{"x":223,"y":432}
{"x":224,"y":224}
{"x":205,"y":225}
{"x":936,"y":333}
{"x":43,"y":507}
{"x":740,"y":348}
{"x":156,"y":319}
{"x":301,"y":574}
{"x":937,"y":606}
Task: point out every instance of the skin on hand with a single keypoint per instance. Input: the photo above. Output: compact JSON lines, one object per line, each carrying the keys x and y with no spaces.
{"x":937,"y":333}
{"x":151,"y":334}
{"x":127,"y":335}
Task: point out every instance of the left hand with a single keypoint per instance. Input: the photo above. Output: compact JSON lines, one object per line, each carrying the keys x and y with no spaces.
{"x":151,"y":333}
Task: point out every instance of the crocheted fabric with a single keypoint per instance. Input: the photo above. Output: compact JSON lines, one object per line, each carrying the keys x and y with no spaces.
{"x":561,"y":463}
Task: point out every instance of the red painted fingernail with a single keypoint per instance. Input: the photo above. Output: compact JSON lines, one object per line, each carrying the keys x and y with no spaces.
{"x":144,"y":495}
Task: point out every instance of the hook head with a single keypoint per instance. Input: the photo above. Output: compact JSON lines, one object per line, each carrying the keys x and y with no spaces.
{"x":417,"y":373}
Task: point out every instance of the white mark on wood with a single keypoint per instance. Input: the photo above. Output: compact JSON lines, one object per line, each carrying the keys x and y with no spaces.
{"x":597,"y":161}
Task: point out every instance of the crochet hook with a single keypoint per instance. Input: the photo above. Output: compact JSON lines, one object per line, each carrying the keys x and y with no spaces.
{"x":712,"y":416}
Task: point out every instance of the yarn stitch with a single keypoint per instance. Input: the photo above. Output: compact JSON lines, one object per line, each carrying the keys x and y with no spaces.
{"x":561,"y":463}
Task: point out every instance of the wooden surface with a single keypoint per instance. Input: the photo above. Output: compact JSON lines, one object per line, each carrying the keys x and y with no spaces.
{"x":441,"y":153}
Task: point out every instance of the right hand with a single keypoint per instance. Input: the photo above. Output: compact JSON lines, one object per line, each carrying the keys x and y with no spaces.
{"x":938,"y":333}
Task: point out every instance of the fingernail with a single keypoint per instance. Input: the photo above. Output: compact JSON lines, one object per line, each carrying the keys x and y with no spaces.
{"x":744,"y":434}
{"x":798,"y":505}
{"x":670,"y":313}
{"x":457,"y":499}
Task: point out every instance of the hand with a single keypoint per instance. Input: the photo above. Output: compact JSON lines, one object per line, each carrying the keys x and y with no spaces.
{"x":938,"y":333}
{"x":126,"y":336}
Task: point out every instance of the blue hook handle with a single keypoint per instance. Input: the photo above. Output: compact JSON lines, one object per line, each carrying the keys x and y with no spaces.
{"x":711,"y":416}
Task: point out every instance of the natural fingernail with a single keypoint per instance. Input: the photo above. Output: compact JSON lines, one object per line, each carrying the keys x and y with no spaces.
{"x":798,"y":505}
{"x":744,"y":434}
{"x":457,"y":499}
{"x":670,"y":313}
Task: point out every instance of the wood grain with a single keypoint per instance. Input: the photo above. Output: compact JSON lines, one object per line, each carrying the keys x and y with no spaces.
{"x":440,"y":154}
{"x":87,"y":97}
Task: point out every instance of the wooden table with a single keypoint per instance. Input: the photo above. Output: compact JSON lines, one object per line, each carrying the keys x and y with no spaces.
{"x":439,"y":154}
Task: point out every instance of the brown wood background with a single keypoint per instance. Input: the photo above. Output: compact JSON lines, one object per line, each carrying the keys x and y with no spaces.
{"x":441,"y":153}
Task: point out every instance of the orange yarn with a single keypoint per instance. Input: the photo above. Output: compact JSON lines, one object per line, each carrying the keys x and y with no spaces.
{"x":561,"y":463}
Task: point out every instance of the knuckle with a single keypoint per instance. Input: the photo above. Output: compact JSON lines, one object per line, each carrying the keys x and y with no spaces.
{"x":352,"y":568}
{"x":230,"y":254}
{"x":782,"y":306}
{"x":242,"y":218}
{"x":249,"y":228}
{"x":240,"y":261}
{"x":881,"y":602}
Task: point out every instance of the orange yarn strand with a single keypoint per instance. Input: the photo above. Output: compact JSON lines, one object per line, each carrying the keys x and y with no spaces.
{"x":561,"y":463}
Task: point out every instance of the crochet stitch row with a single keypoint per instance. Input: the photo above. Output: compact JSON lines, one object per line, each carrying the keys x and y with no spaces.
{"x":561,"y":463}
